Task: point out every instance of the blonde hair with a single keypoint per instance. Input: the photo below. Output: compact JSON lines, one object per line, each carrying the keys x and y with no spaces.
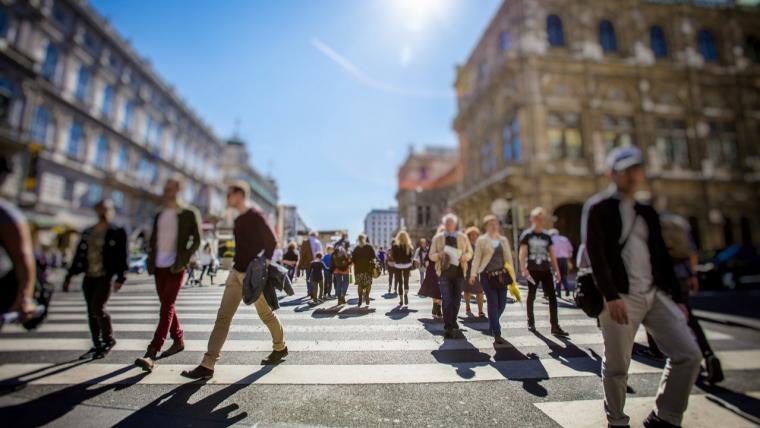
{"x":489,"y":217}
{"x":472,"y":229}
{"x":361,"y":239}
{"x":403,"y":240}
{"x":535,"y":212}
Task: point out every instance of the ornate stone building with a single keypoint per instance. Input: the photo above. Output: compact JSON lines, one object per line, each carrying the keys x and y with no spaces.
{"x":86,"y":117}
{"x":553,"y":85}
{"x":426,"y":180}
{"x":236,"y":165}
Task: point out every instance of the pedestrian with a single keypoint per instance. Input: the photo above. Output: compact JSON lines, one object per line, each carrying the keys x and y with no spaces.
{"x":471,"y":288}
{"x":421,"y":258}
{"x":253,"y":236}
{"x":206,"y":260}
{"x":539,"y":267}
{"x":317,"y":277}
{"x":277,"y":254}
{"x":327,"y":260}
{"x":403,"y":251}
{"x":17,"y":278}
{"x":341,"y":265}
{"x":363,"y":259}
{"x":563,"y":251}
{"x":635,"y":275}
{"x":450,"y":250}
{"x":343,"y":242}
{"x":175,"y":237}
{"x":492,"y":252}
{"x":381,"y":257}
{"x":101,"y":256}
{"x":389,"y":266}
{"x":290,"y":259}
{"x":304,"y":262}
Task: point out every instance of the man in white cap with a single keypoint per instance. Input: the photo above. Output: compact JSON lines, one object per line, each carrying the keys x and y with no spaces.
{"x":634,"y":273}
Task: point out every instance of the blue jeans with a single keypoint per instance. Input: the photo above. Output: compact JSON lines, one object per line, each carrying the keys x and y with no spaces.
{"x":497,"y":302}
{"x":328,"y":281}
{"x":341,"y":284}
{"x":451,"y":299}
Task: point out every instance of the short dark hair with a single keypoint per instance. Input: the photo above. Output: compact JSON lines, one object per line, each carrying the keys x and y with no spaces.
{"x":319,"y":255}
{"x":240,"y":186}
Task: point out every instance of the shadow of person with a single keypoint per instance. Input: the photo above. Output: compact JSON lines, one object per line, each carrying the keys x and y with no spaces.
{"x":294,"y":302}
{"x":50,"y":407}
{"x":389,"y":296}
{"x":355,"y":312}
{"x":742,"y":405}
{"x":398,"y":313}
{"x":166,"y":409}
{"x":19,"y":382}
{"x":326,"y":312}
{"x":572,"y":356}
{"x":462,"y":355}
{"x":511,"y":363}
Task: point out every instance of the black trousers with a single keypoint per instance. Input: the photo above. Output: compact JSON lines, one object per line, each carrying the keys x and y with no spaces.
{"x":544,"y":279}
{"x":391,"y":275}
{"x":96,"y":294}
{"x":402,"y":280}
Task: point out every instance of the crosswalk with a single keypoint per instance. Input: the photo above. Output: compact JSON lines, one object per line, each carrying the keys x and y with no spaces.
{"x":329,"y":345}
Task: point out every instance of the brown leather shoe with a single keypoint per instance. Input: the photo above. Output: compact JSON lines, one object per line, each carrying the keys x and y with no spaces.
{"x":148,"y":361}
{"x":177,"y":347}
{"x":197,"y":373}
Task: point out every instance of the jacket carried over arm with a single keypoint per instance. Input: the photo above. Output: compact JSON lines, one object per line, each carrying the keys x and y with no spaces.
{"x":484,"y":251}
{"x":115,"y":254}
{"x":188,"y":238}
{"x":603,"y":232}
{"x":438,"y":244}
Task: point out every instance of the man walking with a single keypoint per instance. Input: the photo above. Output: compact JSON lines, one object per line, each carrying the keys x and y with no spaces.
{"x":634,"y":273}
{"x":563,"y":251}
{"x":252,"y":237}
{"x":174,"y":239}
{"x":537,"y":262}
{"x":101,"y":255}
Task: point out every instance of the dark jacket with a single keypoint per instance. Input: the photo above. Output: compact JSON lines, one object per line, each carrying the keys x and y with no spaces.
{"x":603,"y":231}
{"x":400,"y":255}
{"x":363,"y":259}
{"x":188,"y":238}
{"x":115,"y":254}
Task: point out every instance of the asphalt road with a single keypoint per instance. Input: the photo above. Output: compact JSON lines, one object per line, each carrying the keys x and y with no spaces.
{"x":386,"y":366}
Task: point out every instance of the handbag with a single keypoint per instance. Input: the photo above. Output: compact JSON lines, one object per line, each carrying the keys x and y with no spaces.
{"x":375,"y":269}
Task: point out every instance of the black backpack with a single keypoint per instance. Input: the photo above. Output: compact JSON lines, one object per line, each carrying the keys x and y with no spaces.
{"x":340,"y":259}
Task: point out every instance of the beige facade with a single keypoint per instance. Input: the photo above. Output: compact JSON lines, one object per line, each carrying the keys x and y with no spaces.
{"x":553,"y":85}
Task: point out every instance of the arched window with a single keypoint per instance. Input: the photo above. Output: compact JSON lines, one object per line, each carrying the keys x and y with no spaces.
{"x":706,"y":43}
{"x":83,"y":84}
{"x":504,"y":41}
{"x":75,"y":140}
{"x":607,"y":37}
{"x":657,"y":42}
{"x":40,"y":122}
{"x":50,"y":65}
{"x":108,"y":93}
{"x":554,"y":31}
{"x":101,"y":153}
{"x":123,"y":159}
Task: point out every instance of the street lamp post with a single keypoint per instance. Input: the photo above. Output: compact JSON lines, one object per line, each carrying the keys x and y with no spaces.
{"x":500,"y":208}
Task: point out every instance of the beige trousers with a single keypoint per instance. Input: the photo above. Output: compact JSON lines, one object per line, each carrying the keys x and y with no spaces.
{"x":233,"y":295}
{"x":667,"y":324}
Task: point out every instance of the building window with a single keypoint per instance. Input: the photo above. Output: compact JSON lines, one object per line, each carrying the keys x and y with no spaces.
{"x":50,"y":64}
{"x":117,"y":197}
{"x":94,"y":194}
{"x":107,"y":100}
{"x":423,"y":173}
{"x":482,"y":70}
{"x":147,"y":171}
{"x":753,"y":49}
{"x":101,"y":153}
{"x":3,"y":22}
{"x":123,"y":159}
{"x":75,"y":140}
{"x":68,"y":189}
{"x":189,"y":195}
{"x":707,"y":47}
{"x":617,"y":132}
{"x":40,"y":122}
{"x":83,"y":84}
{"x":554,"y":31}
{"x":512,"y":143}
{"x":504,"y":41}
{"x":487,"y":158}
{"x":657,"y":42}
{"x":129,"y":112}
{"x":607,"y":37}
{"x":564,"y":135}
{"x":672,"y":143}
{"x":90,"y":42}
{"x":420,"y":215}
{"x":61,"y":17}
{"x":721,"y":144}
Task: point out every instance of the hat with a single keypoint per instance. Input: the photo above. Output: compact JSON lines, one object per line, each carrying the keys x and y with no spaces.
{"x":622,"y":158}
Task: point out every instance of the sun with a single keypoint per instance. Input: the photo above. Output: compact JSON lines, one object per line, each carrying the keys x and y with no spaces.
{"x":417,"y":15}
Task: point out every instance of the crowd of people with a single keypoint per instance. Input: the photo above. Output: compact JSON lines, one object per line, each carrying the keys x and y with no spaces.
{"x":623,"y":246}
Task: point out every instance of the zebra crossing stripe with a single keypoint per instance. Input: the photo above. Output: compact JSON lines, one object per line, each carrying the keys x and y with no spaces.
{"x":234,"y":345}
{"x":285,"y":374}
{"x":703,"y":412}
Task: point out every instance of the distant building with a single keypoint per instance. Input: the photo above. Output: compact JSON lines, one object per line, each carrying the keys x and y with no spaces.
{"x":380,"y":225}
{"x":236,"y":164}
{"x":426,"y":180}
{"x":289,"y":224}
{"x":86,"y":117}
{"x":552,"y":87}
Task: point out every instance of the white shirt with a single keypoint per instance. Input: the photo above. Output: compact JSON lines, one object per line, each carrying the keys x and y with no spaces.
{"x":277,"y":255}
{"x":166,"y":241}
{"x":636,"y":256}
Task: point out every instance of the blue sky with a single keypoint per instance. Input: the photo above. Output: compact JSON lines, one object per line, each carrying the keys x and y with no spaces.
{"x":329,"y":93}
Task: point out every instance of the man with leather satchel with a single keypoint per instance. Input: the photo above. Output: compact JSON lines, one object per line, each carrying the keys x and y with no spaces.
{"x":634,"y":273}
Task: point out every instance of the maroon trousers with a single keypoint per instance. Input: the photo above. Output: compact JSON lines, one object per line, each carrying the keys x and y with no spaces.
{"x":167,"y":287}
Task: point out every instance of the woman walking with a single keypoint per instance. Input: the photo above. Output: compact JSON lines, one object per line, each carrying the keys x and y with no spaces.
{"x":429,"y":285}
{"x":471,"y":288}
{"x":492,"y":252}
{"x":305,"y":258}
{"x":389,"y":265}
{"x":363,"y":259}
{"x":206,"y":260}
{"x":402,"y":255}
{"x":421,"y":258}
{"x":290,"y":260}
